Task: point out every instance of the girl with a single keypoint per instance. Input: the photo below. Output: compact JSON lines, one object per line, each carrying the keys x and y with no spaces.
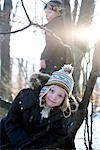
{"x":44,"y":117}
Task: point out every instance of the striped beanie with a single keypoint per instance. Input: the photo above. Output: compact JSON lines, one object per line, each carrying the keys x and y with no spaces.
{"x":63,"y":78}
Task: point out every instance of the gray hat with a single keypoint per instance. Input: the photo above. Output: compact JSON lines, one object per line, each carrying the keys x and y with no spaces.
{"x":54,"y":3}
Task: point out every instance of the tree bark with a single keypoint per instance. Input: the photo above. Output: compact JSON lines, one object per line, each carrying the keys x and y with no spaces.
{"x":5,"y":82}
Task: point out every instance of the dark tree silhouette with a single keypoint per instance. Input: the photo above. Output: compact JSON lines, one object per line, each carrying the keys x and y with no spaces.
{"x":5,"y":49}
{"x":78,"y":21}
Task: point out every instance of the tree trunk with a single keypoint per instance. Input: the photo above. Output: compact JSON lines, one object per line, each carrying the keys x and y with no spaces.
{"x":93,"y":75}
{"x":81,"y":46}
{"x":5,"y":80}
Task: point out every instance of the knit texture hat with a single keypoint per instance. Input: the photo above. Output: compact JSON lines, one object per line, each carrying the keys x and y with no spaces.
{"x":64,"y":79}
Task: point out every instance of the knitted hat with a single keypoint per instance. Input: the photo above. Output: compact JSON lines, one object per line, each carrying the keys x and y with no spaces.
{"x":64,"y":79}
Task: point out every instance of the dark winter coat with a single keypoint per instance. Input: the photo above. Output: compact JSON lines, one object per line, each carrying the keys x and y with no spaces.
{"x":55,"y":54}
{"x":23,"y":127}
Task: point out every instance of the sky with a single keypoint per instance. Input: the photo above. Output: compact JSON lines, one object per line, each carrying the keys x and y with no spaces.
{"x":29,"y":43}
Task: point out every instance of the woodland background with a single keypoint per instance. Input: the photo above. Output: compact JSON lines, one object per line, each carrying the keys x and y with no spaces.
{"x":78,"y":19}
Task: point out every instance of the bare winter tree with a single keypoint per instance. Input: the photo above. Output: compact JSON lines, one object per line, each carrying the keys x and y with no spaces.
{"x":79,"y":47}
{"x":70,"y":21}
{"x":81,"y":18}
{"x":84,"y":22}
{"x":5,"y":49}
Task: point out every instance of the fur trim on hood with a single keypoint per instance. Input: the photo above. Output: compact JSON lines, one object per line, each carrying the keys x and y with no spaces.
{"x":38,"y":80}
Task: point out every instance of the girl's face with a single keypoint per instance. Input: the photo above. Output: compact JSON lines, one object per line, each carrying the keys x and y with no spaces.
{"x":50,"y":14}
{"x":55,"y":96}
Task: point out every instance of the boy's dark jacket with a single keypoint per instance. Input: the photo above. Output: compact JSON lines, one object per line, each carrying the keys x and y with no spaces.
{"x":56,"y":54}
{"x":25,"y":128}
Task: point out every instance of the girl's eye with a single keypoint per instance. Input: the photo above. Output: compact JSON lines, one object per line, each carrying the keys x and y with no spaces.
{"x":61,"y":96}
{"x":52,"y":90}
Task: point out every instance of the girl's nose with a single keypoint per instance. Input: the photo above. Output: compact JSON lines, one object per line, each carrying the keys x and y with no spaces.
{"x":54,"y":96}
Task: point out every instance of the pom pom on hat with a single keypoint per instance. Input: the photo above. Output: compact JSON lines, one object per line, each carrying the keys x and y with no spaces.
{"x":67,"y":68}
